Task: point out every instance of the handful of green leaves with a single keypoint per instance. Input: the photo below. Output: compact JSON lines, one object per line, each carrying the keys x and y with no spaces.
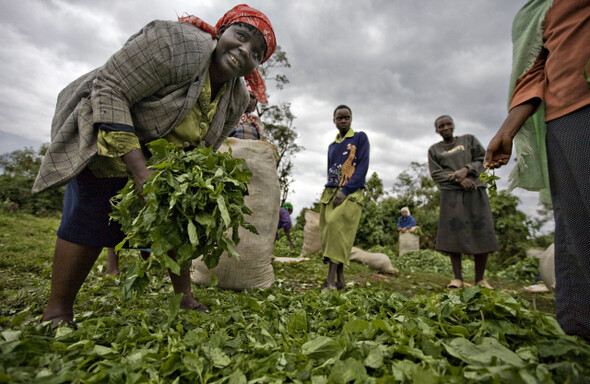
{"x":489,"y":177}
{"x":187,"y":205}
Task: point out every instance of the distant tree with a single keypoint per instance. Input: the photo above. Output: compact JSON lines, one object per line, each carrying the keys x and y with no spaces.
{"x":370,"y":229}
{"x":24,"y":162}
{"x":19,"y":169}
{"x":415,"y":189}
{"x":278,"y":121}
{"x":513,"y":229}
{"x":282,"y":134}
{"x":374,"y":188}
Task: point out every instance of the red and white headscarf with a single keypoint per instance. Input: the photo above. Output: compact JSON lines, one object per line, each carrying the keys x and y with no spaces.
{"x":244,"y":14}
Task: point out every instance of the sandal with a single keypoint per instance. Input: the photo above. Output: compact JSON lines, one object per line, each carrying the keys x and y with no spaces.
{"x":484,"y":284}
{"x":455,"y":283}
{"x":328,"y":287}
{"x":201,"y":308}
{"x":58,"y":320}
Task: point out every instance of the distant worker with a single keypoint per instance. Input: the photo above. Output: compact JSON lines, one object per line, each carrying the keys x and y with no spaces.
{"x":249,"y":127}
{"x":406,"y":223}
{"x":285,"y":222}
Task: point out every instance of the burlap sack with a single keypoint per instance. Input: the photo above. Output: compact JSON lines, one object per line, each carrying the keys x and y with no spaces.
{"x":408,"y":242}
{"x":254,"y":268}
{"x":311,"y":234}
{"x":378,"y":261}
{"x":547,"y":267}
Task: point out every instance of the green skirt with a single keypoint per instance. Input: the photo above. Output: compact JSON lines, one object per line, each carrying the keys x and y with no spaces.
{"x":338,"y":225}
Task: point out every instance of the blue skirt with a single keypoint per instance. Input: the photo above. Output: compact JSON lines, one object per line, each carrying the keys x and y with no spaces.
{"x":85,"y":215}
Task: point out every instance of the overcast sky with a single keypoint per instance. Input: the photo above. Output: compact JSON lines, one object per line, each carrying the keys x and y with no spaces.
{"x":397,"y":63}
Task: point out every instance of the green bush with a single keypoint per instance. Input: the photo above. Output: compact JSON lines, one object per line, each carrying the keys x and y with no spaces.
{"x":525,"y":271}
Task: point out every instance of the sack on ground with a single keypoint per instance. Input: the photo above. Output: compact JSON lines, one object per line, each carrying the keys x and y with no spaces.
{"x":408,"y":242}
{"x":547,"y":267}
{"x":254,"y":267}
{"x":378,"y":261}
{"x":311,"y":234}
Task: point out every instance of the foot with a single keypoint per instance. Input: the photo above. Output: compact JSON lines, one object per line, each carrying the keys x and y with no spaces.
{"x":340,"y":285}
{"x":455,"y":283}
{"x":484,"y":284}
{"x":189,"y":302}
{"x":66,"y":319}
{"x":328,"y":286}
{"x":113,"y":272}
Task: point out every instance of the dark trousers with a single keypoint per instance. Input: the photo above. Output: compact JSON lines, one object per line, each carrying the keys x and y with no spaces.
{"x":568,"y":150}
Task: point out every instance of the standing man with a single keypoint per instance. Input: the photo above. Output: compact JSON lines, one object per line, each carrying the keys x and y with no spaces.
{"x":342,"y":199}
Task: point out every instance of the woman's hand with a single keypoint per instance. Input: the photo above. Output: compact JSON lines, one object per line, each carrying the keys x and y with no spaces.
{"x":459,"y":175}
{"x":498,"y":151}
{"x":338,"y":199}
{"x":468,"y":184}
{"x":500,"y":147}
{"x":137,"y":164}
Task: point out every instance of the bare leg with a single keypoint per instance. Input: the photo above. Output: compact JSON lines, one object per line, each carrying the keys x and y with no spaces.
{"x":182,"y":284}
{"x":71,"y":265}
{"x":340,"y":283}
{"x":480,"y":266}
{"x":112,"y":262}
{"x":456,"y":264}
{"x":330,"y":283}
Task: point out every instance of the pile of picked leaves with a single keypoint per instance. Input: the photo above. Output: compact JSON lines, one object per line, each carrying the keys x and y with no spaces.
{"x":426,"y":260}
{"x":525,"y":271}
{"x":187,"y":205}
{"x":362,"y":335}
{"x":291,"y":332}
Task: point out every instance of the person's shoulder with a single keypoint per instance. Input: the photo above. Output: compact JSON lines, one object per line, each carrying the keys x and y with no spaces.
{"x":467,"y":136}
{"x":179,"y":30}
{"x":435,"y":145}
{"x":361,"y":135}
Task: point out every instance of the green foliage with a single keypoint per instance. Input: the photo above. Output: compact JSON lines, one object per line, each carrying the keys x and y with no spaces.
{"x":374,"y":188}
{"x":370,"y":231}
{"x":187,"y":205}
{"x":512,"y":228}
{"x":19,"y":170}
{"x":524,"y":271}
{"x":282,"y":247}
{"x":426,"y":260}
{"x":292,"y":332}
{"x":25,"y":162}
{"x":489,"y":177}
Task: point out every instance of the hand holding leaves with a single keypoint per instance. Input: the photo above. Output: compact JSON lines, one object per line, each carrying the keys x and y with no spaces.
{"x":190,"y":202}
{"x":489,"y":177}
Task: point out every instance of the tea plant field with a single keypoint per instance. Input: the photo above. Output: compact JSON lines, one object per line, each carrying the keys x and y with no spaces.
{"x":401,"y":328}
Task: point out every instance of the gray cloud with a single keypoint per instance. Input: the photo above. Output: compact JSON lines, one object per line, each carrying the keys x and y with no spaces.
{"x":397,"y":63}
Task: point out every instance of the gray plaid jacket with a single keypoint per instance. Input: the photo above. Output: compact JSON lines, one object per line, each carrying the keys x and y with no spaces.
{"x":151,"y":83}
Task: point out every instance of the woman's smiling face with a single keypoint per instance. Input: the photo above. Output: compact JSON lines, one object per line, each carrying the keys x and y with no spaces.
{"x":239,"y":51}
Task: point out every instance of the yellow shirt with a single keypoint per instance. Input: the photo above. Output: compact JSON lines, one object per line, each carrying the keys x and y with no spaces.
{"x":190,"y":132}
